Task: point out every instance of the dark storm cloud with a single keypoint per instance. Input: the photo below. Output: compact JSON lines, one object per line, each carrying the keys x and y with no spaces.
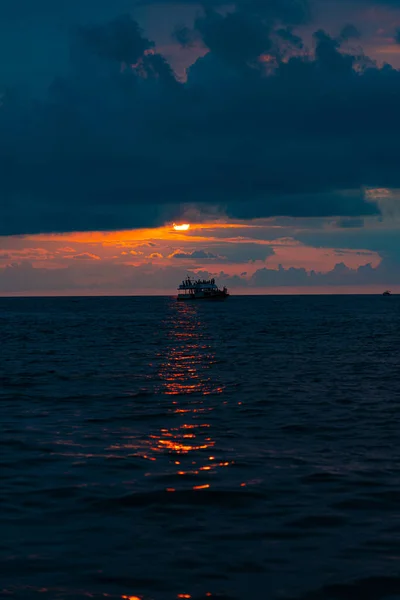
{"x":386,"y":273}
{"x":349,"y":32}
{"x":350,"y":223}
{"x":295,"y":10}
{"x":184,"y":36}
{"x":236,"y":38}
{"x":244,"y":252}
{"x":120,"y":41}
{"x":35,"y":34}
{"x":300,"y":204}
{"x":287,"y":35}
{"x":387,"y":3}
{"x":120,"y":143}
{"x":65,"y":9}
{"x":299,"y":8}
{"x":242,"y":35}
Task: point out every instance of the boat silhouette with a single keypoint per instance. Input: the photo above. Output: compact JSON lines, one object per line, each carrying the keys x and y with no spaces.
{"x":200,"y":289}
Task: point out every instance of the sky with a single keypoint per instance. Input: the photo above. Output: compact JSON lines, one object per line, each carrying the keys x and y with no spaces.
{"x":270,"y":126}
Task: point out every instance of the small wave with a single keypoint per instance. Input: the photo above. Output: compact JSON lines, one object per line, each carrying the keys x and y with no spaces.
{"x":373,"y":588}
{"x":228,"y":499}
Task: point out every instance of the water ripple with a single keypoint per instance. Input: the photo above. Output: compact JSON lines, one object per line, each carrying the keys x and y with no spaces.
{"x":154,"y":450}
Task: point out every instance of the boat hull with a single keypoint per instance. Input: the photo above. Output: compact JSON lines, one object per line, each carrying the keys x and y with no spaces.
{"x":193,"y":298}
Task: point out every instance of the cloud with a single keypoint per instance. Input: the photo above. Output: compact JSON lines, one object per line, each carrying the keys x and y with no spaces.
{"x":385,"y":274}
{"x":287,"y":35}
{"x":237,"y":37}
{"x":22,"y":277}
{"x":85,"y":256}
{"x":155,"y":255}
{"x":66,"y":249}
{"x":243,"y":252}
{"x":236,"y":253}
{"x":40,"y":9}
{"x":119,"y":143}
{"x":349,"y":32}
{"x":121,"y":41}
{"x":27,"y":254}
{"x":293,"y":11}
{"x":350,"y":223}
{"x":302,"y":8}
{"x":388,"y":200}
{"x":196,"y":254}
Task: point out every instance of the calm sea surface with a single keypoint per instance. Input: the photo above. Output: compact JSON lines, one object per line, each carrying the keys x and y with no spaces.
{"x":159,"y":450}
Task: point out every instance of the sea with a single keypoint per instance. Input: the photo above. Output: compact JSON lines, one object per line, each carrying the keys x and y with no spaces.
{"x":158,"y":450}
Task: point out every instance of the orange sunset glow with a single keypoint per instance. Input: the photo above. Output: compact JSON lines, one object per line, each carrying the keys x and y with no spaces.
{"x":153,"y":260}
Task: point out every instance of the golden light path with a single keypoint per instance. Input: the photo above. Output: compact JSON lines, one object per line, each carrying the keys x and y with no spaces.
{"x":183,"y":227}
{"x":164,"y":233}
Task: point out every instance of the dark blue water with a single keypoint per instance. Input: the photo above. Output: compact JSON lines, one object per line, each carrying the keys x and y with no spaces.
{"x":154,"y":449}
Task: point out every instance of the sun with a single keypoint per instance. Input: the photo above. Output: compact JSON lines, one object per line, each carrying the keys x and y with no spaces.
{"x":183,"y":227}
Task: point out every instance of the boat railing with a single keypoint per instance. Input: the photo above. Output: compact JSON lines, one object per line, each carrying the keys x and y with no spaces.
{"x":198,"y":286}
{"x":188,"y":284}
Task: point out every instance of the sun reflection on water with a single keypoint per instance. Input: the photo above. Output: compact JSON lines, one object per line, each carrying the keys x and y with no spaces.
{"x":182,"y":450}
{"x":185,"y":374}
{"x":185,"y":367}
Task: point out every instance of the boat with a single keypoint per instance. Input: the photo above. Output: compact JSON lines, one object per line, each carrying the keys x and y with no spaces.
{"x":200,"y":289}
{"x":387,"y":293}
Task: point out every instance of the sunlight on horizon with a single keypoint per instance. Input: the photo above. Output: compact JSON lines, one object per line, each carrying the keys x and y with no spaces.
{"x":183,"y":227}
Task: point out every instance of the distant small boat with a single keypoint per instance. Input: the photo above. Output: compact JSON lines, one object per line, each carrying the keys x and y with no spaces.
{"x":387,"y":293}
{"x":201,"y":290}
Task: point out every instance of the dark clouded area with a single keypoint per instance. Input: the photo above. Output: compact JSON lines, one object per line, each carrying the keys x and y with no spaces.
{"x":262,"y":126}
{"x":350,"y":223}
{"x":235,"y":253}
